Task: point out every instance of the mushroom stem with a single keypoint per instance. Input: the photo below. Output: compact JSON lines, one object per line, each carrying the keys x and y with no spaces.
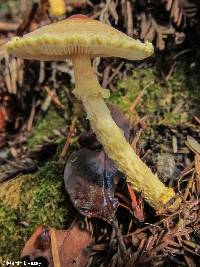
{"x":91,"y":94}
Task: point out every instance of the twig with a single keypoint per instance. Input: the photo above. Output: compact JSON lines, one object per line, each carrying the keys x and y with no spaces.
{"x":197,"y":119}
{"x":129,"y":19}
{"x":136,"y":139}
{"x":106,"y":75}
{"x":69,"y":137}
{"x":3,"y":48}
{"x":101,"y":18}
{"x":13,"y":74}
{"x":139,"y":97}
{"x":119,"y":236}
{"x":51,"y":96}
{"x":31,"y":118}
{"x":20,"y":71}
{"x":136,"y":101}
{"x":189,"y":185}
{"x":181,"y":53}
{"x":7,"y":74}
{"x":116,"y":71}
{"x":54,"y":248}
{"x":42,"y":72}
{"x":4,"y":26}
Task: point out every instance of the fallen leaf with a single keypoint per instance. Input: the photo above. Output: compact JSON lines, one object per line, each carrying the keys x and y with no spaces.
{"x":192,"y":144}
{"x":197,"y":164}
{"x":74,"y":247}
{"x":166,"y":166}
{"x":197,"y":169}
{"x":3,"y":118}
{"x":181,"y":10}
{"x":58,"y":248}
{"x":8,"y":26}
{"x":37,"y":248}
{"x":190,"y":261}
{"x":89,"y":180}
{"x":76,"y":3}
{"x":4,"y":113}
{"x":136,"y":204}
{"x":151,"y":30}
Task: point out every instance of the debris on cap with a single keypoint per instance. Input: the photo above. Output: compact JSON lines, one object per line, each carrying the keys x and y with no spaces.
{"x":57,"y":7}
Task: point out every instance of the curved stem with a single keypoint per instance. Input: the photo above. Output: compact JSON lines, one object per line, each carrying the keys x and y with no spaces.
{"x":111,"y":137}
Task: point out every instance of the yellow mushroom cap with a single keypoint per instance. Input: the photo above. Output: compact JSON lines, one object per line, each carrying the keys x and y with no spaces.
{"x":78,"y":35}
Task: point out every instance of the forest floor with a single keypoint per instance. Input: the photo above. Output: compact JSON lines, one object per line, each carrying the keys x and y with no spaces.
{"x":42,"y":124}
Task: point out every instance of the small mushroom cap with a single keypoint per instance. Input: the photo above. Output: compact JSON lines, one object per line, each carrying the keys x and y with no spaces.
{"x":78,"y":35}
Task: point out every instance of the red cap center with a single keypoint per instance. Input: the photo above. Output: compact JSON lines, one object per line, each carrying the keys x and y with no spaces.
{"x":78,"y":16}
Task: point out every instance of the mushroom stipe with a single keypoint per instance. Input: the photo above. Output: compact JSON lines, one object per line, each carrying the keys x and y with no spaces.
{"x":80,"y":39}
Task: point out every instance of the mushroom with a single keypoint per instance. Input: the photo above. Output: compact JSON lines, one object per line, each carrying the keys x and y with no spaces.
{"x":80,"y":39}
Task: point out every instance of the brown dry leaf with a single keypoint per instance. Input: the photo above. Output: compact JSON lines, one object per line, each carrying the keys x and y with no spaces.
{"x":13,"y":73}
{"x":20,"y":71}
{"x":3,"y":118}
{"x":190,"y":261}
{"x":145,"y":26}
{"x":54,"y":248}
{"x":74,"y":247}
{"x":197,"y":164}
{"x":180,"y":10}
{"x":197,"y":119}
{"x":24,"y":7}
{"x":76,"y":3}
{"x":129,"y":26}
{"x":113,"y":11}
{"x":35,"y":16}
{"x":89,"y":180}
{"x":58,"y":248}
{"x":197,"y":169}
{"x":51,"y":96}
{"x":3,"y":48}
{"x":150,"y":29}
{"x":4,"y":113}
{"x":192,"y":144}
{"x":5,"y":26}
{"x":166,"y":166}
{"x":38,"y":246}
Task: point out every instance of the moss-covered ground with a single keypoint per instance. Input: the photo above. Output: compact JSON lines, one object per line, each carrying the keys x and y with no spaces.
{"x":160,"y":98}
{"x":40,"y":199}
{"x":44,"y":128}
{"x":165,"y":104}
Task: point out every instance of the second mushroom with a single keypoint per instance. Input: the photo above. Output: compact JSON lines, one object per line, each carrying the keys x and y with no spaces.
{"x":81,"y":39}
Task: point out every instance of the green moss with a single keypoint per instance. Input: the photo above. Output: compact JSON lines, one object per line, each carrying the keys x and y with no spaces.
{"x":43,"y":197}
{"x":9,"y":234}
{"x":45,"y":127}
{"x":43,"y":200}
{"x":159,"y":99}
